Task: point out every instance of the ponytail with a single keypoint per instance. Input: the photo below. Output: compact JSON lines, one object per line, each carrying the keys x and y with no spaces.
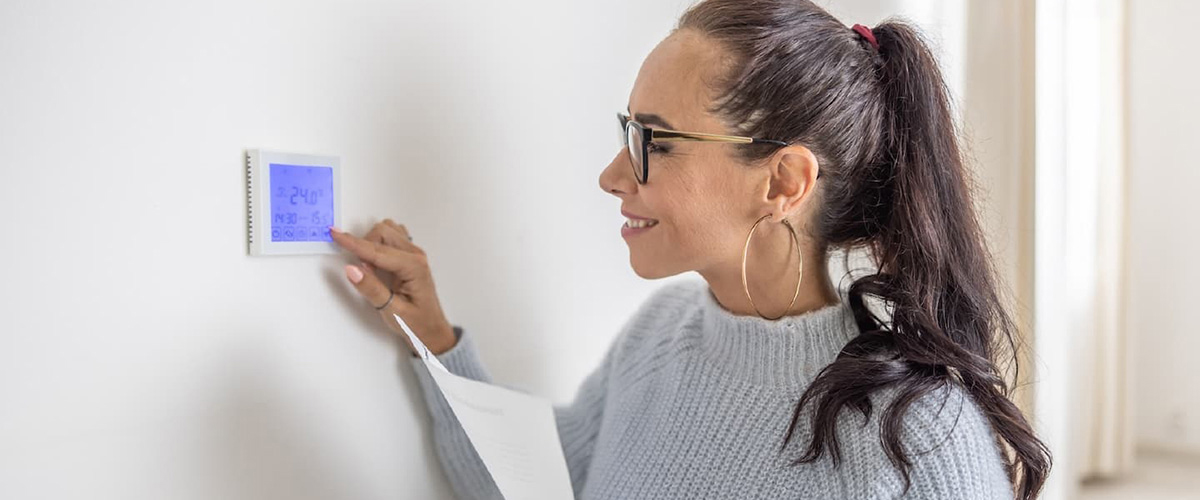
{"x":876,"y":112}
{"x":934,"y":273}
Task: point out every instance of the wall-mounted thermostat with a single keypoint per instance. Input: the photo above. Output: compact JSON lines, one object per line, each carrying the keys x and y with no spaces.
{"x":293,"y":199}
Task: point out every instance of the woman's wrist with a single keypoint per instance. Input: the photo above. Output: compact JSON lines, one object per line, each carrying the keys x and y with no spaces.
{"x":446,"y":341}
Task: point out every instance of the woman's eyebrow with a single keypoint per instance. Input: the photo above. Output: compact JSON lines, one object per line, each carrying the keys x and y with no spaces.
{"x":650,"y":119}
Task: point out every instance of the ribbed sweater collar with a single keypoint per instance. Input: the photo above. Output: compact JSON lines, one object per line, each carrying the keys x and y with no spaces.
{"x":788,"y":351}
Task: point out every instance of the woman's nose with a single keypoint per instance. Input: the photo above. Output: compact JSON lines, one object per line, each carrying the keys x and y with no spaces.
{"x":617,"y":177}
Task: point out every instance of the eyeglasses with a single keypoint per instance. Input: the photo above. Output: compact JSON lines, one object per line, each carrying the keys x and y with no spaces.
{"x":636,"y":139}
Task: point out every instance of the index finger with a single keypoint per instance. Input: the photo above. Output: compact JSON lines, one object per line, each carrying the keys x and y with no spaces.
{"x":365,"y":249}
{"x":382,"y":256}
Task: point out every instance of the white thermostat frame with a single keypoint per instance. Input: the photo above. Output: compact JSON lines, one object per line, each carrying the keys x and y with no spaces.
{"x":258,"y":203}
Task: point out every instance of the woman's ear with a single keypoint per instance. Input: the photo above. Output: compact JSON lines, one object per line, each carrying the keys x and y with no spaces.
{"x":793,"y":175}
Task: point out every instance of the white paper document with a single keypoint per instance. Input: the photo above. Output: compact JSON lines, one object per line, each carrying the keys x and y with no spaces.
{"x":513,"y":432}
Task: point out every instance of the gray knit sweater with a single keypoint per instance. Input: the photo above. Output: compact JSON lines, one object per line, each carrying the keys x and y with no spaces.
{"x":692,"y":401}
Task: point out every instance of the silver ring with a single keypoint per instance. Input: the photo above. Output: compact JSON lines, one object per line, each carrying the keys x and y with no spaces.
{"x":391,"y":294}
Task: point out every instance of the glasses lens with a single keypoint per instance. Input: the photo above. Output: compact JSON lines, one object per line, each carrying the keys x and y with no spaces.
{"x":633,"y":142}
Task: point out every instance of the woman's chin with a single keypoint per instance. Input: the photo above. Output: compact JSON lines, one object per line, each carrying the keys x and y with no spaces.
{"x":649,"y":271}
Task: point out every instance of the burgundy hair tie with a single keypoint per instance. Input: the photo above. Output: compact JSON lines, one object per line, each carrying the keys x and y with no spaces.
{"x":866,"y":33}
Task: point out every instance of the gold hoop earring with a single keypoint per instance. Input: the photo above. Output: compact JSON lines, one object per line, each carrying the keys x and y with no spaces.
{"x":799,"y":267}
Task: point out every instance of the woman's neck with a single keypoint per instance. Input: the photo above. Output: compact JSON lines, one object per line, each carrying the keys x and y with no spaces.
{"x":772,"y":283}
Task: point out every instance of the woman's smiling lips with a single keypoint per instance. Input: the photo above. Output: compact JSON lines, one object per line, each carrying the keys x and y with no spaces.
{"x":636,"y":224}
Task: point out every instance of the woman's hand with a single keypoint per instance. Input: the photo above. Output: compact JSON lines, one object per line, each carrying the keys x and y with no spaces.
{"x":405,"y":273}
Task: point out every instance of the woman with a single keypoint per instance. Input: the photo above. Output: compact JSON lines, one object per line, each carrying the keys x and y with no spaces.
{"x":800,"y":136}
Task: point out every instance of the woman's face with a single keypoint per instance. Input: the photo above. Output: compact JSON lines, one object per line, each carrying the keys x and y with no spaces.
{"x":702,"y":196}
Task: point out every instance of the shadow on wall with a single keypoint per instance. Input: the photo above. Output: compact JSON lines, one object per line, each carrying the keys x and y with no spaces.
{"x":452,"y":165}
{"x":258,"y":450}
{"x":365,"y":317}
{"x":260,"y":441}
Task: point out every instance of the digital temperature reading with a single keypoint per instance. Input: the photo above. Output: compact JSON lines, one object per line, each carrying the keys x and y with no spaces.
{"x":301,"y":202}
{"x":292,"y":200}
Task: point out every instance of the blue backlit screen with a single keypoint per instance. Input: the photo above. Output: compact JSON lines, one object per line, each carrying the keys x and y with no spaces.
{"x":301,"y":202}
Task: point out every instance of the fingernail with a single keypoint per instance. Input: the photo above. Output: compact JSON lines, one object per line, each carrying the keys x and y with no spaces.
{"x":354,"y":274}
{"x":334,"y":229}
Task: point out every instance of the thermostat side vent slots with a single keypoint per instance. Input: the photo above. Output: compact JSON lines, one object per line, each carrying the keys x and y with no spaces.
{"x":250,"y":197}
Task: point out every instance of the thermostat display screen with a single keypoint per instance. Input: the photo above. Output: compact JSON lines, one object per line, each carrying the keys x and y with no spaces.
{"x":301,"y":202}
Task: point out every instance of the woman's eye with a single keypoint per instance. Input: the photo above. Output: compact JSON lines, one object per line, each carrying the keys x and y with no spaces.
{"x":656,"y":148}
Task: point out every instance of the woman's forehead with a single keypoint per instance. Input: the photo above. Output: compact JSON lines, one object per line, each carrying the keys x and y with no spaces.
{"x":674,"y":80}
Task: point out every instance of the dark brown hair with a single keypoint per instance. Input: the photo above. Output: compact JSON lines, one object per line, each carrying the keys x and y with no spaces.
{"x":894,"y":182}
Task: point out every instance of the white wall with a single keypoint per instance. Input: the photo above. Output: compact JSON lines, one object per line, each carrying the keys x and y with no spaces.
{"x":143,"y":355}
{"x":1163,"y":177}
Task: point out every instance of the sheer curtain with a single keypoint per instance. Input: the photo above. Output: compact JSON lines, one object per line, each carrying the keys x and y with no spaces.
{"x":1081,"y":347}
{"x":1108,"y":446}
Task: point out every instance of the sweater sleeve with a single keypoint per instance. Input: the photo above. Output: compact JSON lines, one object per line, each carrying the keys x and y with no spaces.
{"x":578,"y":423}
{"x":468,"y":477}
{"x":950,"y":443}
